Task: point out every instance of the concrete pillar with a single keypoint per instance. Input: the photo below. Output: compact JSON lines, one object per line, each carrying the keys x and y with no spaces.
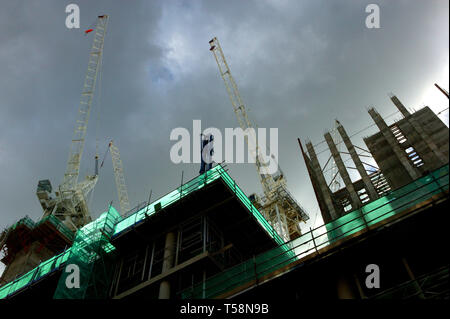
{"x":390,"y":138}
{"x":321,"y":181}
{"x":359,"y":166}
{"x":344,"y":288}
{"x":164,"y":290}
{"x":400,"y":106}
{"x":354,"y":198}
{"x":169,"y":257}
{"x":420,"y":131}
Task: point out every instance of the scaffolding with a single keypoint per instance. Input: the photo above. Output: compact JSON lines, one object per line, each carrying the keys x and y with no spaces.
{"x":50,"y":231}
{"x":91,"y":252}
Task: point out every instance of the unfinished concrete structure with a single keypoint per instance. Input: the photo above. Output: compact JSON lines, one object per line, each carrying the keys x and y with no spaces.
{"x":26,"y":244}
{"x":404,"y":151}
{"x":409,"y":148}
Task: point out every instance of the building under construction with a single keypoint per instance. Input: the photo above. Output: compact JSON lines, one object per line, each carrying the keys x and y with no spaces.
{"x":207,"y":239}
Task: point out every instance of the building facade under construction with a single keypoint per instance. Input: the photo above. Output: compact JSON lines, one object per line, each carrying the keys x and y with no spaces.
{"x":207,"y":239}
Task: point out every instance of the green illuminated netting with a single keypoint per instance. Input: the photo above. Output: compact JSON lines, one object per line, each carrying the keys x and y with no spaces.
{"x":389,"y":205}
{"x":91,"y":252}
{"x":374,"y":212}
{"x":43,"y":268}
{"x":35,"y":274}
{"x":89,"y":244}
{"x":91,"y":247}
{"x":58,"y":225}
{"x":27,"y":221}
{"x":191,"y":186}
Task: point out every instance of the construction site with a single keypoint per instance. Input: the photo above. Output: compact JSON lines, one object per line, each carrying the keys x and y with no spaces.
{"x":208,"y":239}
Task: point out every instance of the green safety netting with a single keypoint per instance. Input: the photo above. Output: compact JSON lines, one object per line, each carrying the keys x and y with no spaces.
{"x":27,"y":221}
{"x":244,"y":199}
{"x":89,"y":243}
{"x":43,"y":268}
{"x":191,"y":186}
{"x":35,"y":274}
{"x":92,"y":252}
{"x":374,"y":212}
{"x":389,"y":205}
{"x":92,"y":248}
{"x":58,"y":225}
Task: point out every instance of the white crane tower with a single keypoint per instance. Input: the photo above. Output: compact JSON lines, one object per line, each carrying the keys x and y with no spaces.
{"x":278,"y":206}
{"x":122,"y":192}
{"x":69,"y":204}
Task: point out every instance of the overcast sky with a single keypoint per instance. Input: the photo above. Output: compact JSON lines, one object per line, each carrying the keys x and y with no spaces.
{"x":298,"y":65}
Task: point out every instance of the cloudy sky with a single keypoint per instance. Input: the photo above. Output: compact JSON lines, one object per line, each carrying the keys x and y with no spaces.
{"x":298,"y":64}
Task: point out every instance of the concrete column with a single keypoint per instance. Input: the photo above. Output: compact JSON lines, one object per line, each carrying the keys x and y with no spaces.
{"x":321,"y":181}
{"x":359,"y":166}
{"x":400,"y":106}
{"x":390,"y":138}
{"x":356,"y":202}
{"x":169,"y":257}
{"x":344,"y":288}
{"x":164,"y":290}
{"x":420,"y":131}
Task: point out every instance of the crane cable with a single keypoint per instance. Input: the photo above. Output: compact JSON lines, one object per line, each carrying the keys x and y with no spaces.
{"x":360,"y":131}
{"x":106,"y":153}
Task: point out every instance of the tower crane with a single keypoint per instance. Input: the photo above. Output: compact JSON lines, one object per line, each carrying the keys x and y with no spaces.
{"x":122,"y":192}
{"x":278,"y":206}
{"x":69,"y":204}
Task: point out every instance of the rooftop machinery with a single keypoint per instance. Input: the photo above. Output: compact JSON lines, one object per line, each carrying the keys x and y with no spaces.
{"x":69,"y":204}
{"x":277,"y":205}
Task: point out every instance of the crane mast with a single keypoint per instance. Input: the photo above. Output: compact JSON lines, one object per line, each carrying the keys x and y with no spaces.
{"x":76,"y":149}
{"x":69,"y":203}
{"x":241,"y":114}
{"x":278,"y":205}
{"x":120,"y":179}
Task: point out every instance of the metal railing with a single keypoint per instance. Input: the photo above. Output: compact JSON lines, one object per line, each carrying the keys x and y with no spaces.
{"x":267,"y":262}
{"x":185,"y":189}
{"x":319,"y":237}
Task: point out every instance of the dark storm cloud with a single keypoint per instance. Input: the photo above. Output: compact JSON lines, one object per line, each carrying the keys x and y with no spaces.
{"x":299,"y":65}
